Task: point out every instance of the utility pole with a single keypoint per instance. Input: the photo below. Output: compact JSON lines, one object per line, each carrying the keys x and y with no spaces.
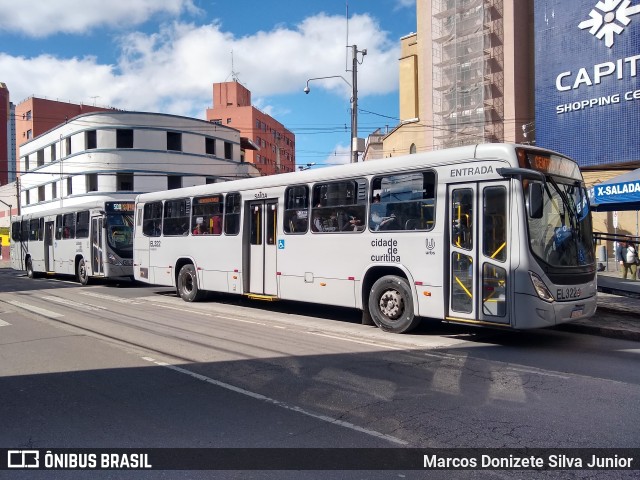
{"x":17,"y":194}
{"x":354,"y":106}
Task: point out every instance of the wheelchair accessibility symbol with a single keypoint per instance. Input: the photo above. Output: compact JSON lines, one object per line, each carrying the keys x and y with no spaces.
{"x":281,"y":244}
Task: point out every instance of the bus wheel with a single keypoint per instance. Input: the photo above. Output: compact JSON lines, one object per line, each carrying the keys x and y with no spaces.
{"x":81,"y":272}
{"x":188,"y":284}
{"x":30,"y":272}
{"x":391,"y":305}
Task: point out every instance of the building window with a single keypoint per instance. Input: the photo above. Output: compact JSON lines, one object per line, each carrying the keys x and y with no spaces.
{"x":27,"y":197}
{"x":53,"y":152}
{"x":40,"y":158}
{"x":90,"y":140}
{"x":54,"y":190}
{"x":174,"y":141}
{"x":27,"y":116}
{"x":174,"y":181}
{"x":26,"y":163}
{"x":210,"y":146}
{"x":228,"y":150}
{"x":67,"y":145}
{"x":92,"y":182}
{"x":41,"y":194}
{"x":229,"y":120}
{"x":124,"y":182}
{"x":124,"y":138}
{"x":69,"y":186}
{"x":209,"y":180}
{"x":412,"y":148}
{"x":29,"y":134}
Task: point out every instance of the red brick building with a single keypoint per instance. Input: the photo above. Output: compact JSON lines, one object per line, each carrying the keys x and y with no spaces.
{"x":5,"y":141}
{"x":276,"y":145}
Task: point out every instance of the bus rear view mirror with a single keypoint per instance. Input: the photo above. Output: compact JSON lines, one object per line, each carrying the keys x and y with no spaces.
{"x":535,"y":199}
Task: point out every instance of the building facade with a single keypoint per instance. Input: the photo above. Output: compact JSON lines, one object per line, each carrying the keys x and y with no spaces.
{"x":5,"y":134}
{"x":125,"y":153}
{"x":588,"y":80}
{"x":232,"y":107}
{"x":466,"y":76}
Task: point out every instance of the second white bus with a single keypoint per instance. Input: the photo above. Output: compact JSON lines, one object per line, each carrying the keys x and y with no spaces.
{"x":491,"y":235}
{"x":91,"y":239}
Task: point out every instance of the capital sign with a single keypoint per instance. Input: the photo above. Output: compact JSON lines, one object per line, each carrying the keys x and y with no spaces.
{"x":609,"y":18}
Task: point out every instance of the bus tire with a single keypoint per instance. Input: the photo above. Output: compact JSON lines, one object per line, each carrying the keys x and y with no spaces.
{"x":81,"y":272}
{"x":391,"y":305}
{"x":188,"y":284}
{"x":29,"y":266}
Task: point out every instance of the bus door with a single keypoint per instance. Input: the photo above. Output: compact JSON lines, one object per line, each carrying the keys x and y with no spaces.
{"x":263,"y":247}
{"x":479,"y":252}
{"x":97,"y":231}
{"x":48,"y":247}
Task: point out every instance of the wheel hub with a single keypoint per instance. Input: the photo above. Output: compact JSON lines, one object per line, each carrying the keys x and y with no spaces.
{"x":391,"y":304}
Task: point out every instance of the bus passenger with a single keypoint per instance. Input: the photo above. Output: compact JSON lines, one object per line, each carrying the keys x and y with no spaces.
{"x":199,"y":230}
{"x":216,"y":225}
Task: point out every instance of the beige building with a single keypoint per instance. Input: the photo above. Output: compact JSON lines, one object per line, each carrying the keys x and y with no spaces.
{"x":466,"y":76}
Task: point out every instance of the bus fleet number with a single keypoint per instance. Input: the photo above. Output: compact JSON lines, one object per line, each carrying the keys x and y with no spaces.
{"x":154,"y":243}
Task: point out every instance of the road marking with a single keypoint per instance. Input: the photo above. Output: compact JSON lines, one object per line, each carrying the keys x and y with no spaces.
{"x":34,"y":309}
{"x":537,"y":372}
{"x":353,"y":340}
{"x":4,"y":324}
{"x":278,"y":403}
{"x":111,"y":298}
{"x":71,"y":303}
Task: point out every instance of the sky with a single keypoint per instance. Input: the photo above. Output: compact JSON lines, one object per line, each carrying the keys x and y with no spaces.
{"x":164,"y":55}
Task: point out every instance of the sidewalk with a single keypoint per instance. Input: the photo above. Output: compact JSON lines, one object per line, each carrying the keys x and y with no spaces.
{"x":618,"y":314}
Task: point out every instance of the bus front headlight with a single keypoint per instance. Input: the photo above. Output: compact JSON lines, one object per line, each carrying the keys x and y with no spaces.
{"x":112,"y":259}
{"x":541,"y":289}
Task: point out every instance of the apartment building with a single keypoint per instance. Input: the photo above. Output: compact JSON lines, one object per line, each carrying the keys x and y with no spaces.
{"x":275,"y":144}
{"x":466,"y":75}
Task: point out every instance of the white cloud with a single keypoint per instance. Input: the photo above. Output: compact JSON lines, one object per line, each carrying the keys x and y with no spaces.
{"x":341,"y":154}
{"x":44,"y":18}
{"x":172,"y":70}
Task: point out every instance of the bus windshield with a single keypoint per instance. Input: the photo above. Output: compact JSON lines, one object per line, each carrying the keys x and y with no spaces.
{"x":563,"y":236}
{"x":120,"y":234}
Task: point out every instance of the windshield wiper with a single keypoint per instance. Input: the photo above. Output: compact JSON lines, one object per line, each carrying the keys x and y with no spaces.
{"x":573,"y":211}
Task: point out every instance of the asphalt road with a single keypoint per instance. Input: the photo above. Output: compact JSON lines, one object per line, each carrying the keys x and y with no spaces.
{"x":119,"y":365}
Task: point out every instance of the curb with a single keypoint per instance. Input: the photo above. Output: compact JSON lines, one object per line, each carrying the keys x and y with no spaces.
{"x":599,"y":331}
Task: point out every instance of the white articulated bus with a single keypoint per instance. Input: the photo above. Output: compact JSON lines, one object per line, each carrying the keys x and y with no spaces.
{"x":90,"y":239}
{"x":491,"y":235}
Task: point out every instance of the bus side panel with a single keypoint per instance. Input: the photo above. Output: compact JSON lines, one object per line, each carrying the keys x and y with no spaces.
{"x":36,"y":250}
{"x":308,"y":275}
{"x":220,"y":267}
{"x":141,"y":270}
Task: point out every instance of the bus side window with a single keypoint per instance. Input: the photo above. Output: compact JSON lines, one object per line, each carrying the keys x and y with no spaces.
{"x":15,"y":231}
{"x":152,"y":219}
{"x":339,"y":206}
{"x":232,"y":214}
{"x":68,"y":225}
{"x":58,"y":227}
{"x":296,"y":209}
{"x":403,"y":202}
{"x":82,"y":224}
{"x":175,"y":219}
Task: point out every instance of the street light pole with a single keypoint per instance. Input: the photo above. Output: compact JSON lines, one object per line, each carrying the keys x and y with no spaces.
{"x":354,"y":98}
{"x":354,"y":104}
